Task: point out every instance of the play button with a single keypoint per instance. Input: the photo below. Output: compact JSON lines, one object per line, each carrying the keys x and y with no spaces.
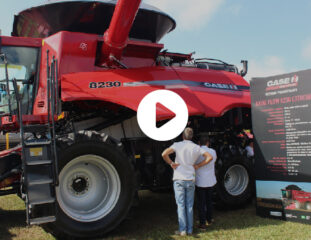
{"x":159,"y":105}
{"x":161,"y":108}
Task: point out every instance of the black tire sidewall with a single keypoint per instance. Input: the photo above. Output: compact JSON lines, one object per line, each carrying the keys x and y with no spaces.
{"x":127,"y":179}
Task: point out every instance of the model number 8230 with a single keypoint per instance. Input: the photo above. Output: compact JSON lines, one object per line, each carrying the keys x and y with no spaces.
{"x":104,"y":84}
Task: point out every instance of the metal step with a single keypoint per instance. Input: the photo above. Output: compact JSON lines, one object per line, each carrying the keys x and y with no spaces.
{"x":40,"y":193}
{"x":42,"y":201}
{"x":41,"y":220}
{"x":39,"y":174}
{"x":37,"y":142}
{"x":37,"y":181}
{"x":37,"y":155}
{"x":38,"y":162}
{"x":39,"y":128}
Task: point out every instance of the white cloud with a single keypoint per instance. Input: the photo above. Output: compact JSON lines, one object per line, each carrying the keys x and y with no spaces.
{"x":269,"y":66}
{"x":306,"y":51}
{"x":188,"y":14}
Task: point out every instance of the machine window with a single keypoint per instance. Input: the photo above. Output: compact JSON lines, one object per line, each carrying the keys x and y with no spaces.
{"x":22,"y":65}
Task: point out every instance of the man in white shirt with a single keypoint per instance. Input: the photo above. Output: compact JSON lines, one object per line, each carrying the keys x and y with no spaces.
{"x":184,"y":167}
{"x":205,"y":180}
{"x":250,"y":149}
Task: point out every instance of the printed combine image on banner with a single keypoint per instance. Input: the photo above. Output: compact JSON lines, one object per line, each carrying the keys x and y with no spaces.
{"x":281,"y":117}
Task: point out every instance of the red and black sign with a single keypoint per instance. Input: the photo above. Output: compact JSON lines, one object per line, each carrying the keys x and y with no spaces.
{"x":281,"y":113}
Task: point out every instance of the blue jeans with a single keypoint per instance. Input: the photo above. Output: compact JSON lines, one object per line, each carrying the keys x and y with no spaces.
{"x":184,"y":195}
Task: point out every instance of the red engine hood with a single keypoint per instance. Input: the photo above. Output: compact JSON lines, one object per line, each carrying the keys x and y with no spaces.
{"x":206,"y":92}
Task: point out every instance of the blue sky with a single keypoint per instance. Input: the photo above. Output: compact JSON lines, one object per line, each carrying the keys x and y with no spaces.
{"x":274,"y":35}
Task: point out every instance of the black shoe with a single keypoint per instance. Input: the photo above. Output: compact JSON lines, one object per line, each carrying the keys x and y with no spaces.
{"x":211,"y":221}
{"x":202,"y":226}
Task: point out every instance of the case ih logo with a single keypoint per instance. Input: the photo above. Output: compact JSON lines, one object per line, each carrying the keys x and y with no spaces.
{"x":83,"y":46}
{"x":221,"y":86}
{"x":282,"y":83}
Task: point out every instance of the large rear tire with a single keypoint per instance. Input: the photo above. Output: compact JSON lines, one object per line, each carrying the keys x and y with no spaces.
{"x":95,"y":192}
{"x":235,"y":183}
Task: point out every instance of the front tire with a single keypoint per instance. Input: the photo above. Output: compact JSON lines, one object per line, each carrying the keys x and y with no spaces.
{"x":95,"y":192}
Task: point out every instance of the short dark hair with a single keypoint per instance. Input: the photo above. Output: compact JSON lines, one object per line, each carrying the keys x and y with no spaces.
{"x":204,"y":140}
{"x":188,"y":133}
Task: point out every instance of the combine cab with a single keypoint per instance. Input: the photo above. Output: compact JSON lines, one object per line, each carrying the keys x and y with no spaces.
{"x":73,"y":94}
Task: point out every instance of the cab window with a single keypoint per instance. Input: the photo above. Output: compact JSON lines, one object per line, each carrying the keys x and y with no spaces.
{"x":22,"y":66}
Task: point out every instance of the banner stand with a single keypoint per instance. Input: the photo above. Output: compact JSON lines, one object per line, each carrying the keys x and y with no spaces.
{"x":281,"y":119}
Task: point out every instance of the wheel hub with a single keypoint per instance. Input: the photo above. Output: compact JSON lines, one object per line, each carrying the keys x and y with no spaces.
{"x":80,"y":185}
{"x":236,"y":179}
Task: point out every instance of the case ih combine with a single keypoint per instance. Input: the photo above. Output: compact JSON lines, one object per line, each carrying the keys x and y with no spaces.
{"x":72,"y":76}
{"x":294,"y":197}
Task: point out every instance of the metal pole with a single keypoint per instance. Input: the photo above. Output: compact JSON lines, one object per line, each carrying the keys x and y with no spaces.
{"x":7,"y":141}
{"x":48,"y":87}
{"x":53,"y":135}
{"x":56,"y":85}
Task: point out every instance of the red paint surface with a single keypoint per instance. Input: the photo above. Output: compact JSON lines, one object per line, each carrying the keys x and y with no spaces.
{"x":200,"y":101}
{"x":115,"y":38}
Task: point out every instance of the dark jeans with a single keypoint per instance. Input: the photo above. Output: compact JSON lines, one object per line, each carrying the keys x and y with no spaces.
{"x":204,"y":203}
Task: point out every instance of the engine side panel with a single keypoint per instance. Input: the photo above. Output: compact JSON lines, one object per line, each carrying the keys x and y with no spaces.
{"x":206,"y":92}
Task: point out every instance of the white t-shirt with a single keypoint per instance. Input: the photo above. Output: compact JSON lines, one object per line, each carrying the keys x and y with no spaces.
{"x":205,"y":176}
{"x":187,"y":154}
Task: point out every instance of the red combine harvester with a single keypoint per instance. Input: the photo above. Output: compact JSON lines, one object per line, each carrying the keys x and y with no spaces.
{"x":73,"y":93}
{"x":295,"y":198}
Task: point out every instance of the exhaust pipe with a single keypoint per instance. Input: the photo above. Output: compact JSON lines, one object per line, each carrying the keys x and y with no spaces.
{"x":245,"y":68}
{"x":116,"y":36}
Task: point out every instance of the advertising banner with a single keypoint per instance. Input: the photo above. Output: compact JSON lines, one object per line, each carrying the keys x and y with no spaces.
{"x":281,"y":116}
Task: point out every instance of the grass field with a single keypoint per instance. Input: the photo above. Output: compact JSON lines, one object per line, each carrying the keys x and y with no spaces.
{"x":155,"y":218}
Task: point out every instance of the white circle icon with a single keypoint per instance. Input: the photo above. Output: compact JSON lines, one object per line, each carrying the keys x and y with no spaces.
{"x":162,"y":104}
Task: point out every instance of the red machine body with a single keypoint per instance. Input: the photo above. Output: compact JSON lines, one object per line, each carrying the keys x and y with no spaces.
{"x":134,"y":84}
{"x":81,"y":58}
{"x":209,"y":93}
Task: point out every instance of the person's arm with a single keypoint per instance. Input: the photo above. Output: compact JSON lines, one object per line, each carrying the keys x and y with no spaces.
{"x":167,"y":158}
{"x":207,"y":158}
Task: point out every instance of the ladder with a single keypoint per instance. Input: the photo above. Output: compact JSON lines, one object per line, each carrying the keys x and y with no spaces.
{"x":39,"y":157}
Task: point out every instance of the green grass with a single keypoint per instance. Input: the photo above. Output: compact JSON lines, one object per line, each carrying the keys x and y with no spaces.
{"x":155,"y":218}
{"x":12,"y":221}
